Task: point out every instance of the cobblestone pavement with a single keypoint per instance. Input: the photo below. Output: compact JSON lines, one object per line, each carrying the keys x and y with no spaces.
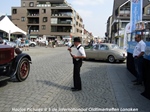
{"x":48,"y":86}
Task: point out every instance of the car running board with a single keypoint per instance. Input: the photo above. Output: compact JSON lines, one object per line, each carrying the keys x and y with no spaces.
{"x":2,"y":78}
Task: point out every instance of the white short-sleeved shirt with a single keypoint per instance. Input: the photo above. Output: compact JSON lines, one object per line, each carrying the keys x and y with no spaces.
{"x":140,"y":47}
{"x":81,"y":51}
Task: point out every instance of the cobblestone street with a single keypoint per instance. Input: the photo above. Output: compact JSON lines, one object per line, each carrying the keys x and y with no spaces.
{"x":48,"y":86}
{"x":49,"y":82}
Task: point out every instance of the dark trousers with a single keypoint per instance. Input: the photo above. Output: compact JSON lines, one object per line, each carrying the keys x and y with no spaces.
{"x":146,"y":78}
{"x":138,"y":62}
{"x":76,"y":74}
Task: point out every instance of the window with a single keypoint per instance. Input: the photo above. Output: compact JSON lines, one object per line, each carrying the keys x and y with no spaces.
{"x":53,"y":20}
{"x":14,"y":11}
{"x":124,"y":24}
{"x":43,"y":10}
{"x":24,"y":4}
{"x":44,"y":19}
{"x":31,"y":4}
{"x":96,"y":47}
{"x":22,"y":18}
{"x":43,"y":27}
{"x":148,"y":10}
{"x":77,"y":23}
{"x":103,"y":47}
{"x":53,"y":29}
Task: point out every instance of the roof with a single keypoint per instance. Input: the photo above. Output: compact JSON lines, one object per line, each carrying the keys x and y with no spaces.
{"x":4,"y":16}
{"x":5,"y":22}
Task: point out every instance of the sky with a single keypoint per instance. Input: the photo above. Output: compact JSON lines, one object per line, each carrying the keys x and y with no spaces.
{"x":94,"y":13}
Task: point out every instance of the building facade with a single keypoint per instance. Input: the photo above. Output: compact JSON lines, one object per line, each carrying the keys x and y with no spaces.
{"x":121,"y":17}
{"x":51,"y":18}
{"x":87,"y":37}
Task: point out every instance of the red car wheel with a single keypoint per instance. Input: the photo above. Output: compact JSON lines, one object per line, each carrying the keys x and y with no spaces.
{"x":23,"y":69}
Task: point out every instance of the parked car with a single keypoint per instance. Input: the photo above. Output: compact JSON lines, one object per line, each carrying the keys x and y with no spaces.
{"x":12,"y":44}
{"x":7,"y":42}
{"x":13,"y":63}
{"x":32,"y":44}
{"x":106,"y":51}
{"x":60,"y":43}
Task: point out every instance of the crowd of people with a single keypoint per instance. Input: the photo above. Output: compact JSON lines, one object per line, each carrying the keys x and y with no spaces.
{"x":22,"y":43}
{"x":46,"y":43}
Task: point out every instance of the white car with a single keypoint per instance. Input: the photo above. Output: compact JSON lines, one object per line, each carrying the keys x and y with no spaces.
{"x":32,"y":44}
{"x":106,"y":51}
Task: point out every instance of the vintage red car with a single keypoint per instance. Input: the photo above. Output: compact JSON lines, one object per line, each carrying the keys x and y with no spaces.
{"x":13,"y":63}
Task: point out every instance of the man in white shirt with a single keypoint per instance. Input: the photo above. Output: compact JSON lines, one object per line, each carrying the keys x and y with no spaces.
{"x":138,"y":54}
{"x":77,"y":61}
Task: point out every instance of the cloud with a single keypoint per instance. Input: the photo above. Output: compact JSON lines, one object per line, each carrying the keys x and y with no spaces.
{"x":87,"y":2}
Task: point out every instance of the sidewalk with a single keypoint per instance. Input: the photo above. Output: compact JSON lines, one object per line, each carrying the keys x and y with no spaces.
{"x":127,"y":94}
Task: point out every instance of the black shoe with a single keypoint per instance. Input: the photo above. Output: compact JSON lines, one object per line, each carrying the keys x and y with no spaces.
{"x":138,"y":83}
{"x":76,"y":89}
{"x":72,"y":88}
{"x":134,"y":80}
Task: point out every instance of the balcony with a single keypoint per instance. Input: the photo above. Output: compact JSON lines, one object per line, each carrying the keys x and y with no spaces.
{"x":61,"y":29}
{"x":34,"y":29}
{"x":33,"y":14}
{"x":33,"y":20}
{"x":124,"y":13}
{"x":60,"y":5}
{"x":43,"y":5}
{"x":61,"y":21}
{"x":64,"y":21}
{"x":62,"y":14}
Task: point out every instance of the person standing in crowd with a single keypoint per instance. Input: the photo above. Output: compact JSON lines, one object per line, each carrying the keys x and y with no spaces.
{"x":46,"y":43}
{"x":17,"y":42}
{"x":50,"y":43}
{"x":69,"y":43}
{"x":53,"y":43}
{"x":138,"y":53}
{"x":1,"y":40}
{"x":22,"y":44}
{"x":77,"y":61}
{"x":26,"y":44}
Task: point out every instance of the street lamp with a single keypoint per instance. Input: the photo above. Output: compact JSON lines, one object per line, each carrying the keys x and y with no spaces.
{"x":29,"y":32}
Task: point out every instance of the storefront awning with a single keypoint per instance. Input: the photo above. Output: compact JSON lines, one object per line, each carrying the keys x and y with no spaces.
{"x":33,"y":36}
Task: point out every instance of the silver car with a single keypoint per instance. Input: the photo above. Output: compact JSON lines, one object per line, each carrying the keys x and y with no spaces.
{"x":106,"y":51}
{"x":12,"y":44}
